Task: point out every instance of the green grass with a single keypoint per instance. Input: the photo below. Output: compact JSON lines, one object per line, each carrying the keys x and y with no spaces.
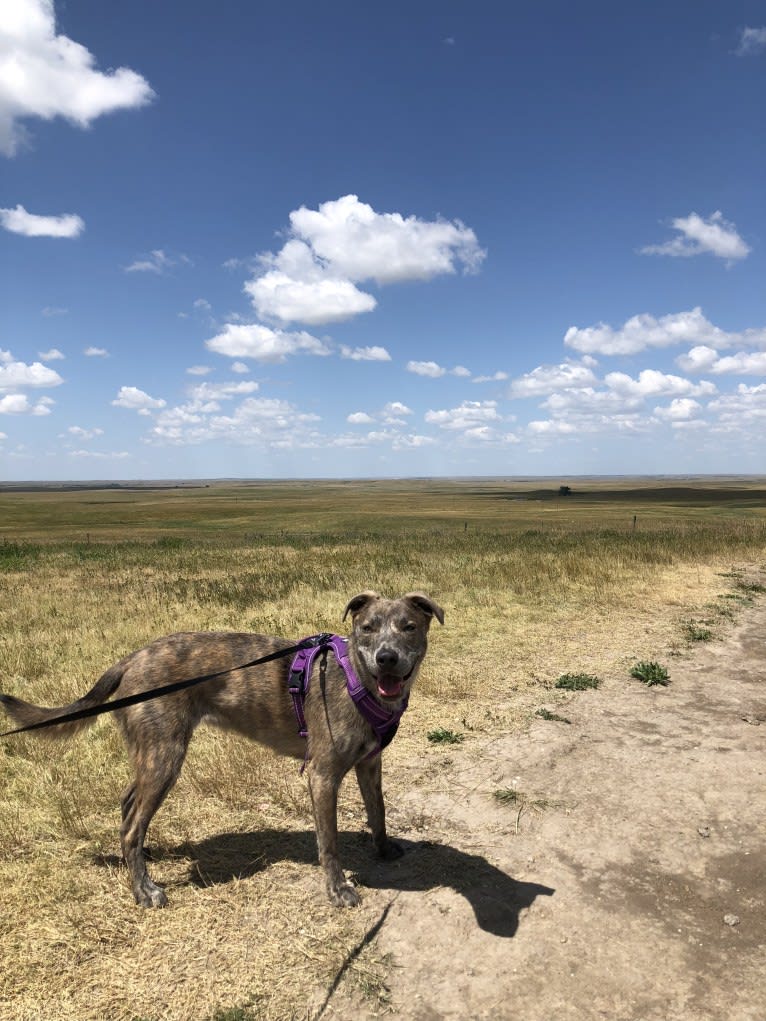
{"x":443,"y":736}
{"x":546,"y":714}
{"x":577,"y":682}
{"x":651,"y":673}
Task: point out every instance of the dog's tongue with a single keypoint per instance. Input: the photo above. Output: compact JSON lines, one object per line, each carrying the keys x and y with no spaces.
{"x":389,"y":686}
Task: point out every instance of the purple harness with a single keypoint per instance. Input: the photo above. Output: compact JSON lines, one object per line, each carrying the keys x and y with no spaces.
{"x":383,"y":721}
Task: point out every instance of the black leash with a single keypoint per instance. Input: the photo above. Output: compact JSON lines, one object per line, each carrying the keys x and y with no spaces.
{"x":168,"y":689}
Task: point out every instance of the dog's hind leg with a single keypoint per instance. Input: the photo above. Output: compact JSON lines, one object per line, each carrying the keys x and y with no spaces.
{"x":157,"y":770}
{"x":369,"y":777}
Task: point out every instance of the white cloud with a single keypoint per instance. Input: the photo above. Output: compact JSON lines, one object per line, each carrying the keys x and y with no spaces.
{"x":468,"y":415}
{"x":240,"y":367}
{"x":651,"y":383}
{"x":397,"y":408}
{"x":19,"y":221}
{"x":264,"y":344}
{"x":431,"y":369}
{"x":680,"y":409}
{"x":697,"y":236}
{"x":199,"y":370}
{"x":99,"y":455}
{"x":359,"y":418}
{"x":744,"y":363}
{"x":365,"y":354}
{"x":644,"y":331}
{"x":462,"y":371}
{"x":96,"y":352}
{"x":751,"y":42}
{"x":260,"y":421}
{"x":18,"y":375}
{"x":707,"y":359}
{"x":51,"y":310}
{"x":50,"y":356}
{"x":555,"y":427}
{"x":313,"y":278}
{"x":546,"y":379}
{"x":19,"y":404}
{"x":496,"y":377}
{"x":205,"y":392}
{"x":47,"y":75}
{"x":158,"y":262}
{"x":137,"y":400}
{"x":84,"y":434}
{"x":313,"y":300}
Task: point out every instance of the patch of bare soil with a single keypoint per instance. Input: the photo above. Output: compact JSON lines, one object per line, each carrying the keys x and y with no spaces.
{"x":622,"y":875}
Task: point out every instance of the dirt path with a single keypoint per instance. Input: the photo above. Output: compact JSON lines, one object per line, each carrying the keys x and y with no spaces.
{"x":634,"y":889}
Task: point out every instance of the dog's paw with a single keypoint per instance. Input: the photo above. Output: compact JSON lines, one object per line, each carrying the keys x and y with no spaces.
{"x":150,"y":896}
{"x":390,"y":850}
{"x":345,"y":896}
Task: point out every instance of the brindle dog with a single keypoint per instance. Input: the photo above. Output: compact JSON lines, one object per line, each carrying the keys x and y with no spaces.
{"x":387,"y":644}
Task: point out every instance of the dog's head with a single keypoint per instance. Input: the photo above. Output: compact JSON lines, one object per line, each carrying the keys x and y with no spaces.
{"x":389,"y":640}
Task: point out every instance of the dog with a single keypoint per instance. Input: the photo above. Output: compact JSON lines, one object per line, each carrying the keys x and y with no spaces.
{"x":386,"y":648}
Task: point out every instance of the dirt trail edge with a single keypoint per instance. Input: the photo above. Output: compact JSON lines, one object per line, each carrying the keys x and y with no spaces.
{"x":625,"y":878}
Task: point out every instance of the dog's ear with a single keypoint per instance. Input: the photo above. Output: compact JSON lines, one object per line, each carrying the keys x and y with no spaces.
{"x":426,"y":604}
{"x":356,"y":604}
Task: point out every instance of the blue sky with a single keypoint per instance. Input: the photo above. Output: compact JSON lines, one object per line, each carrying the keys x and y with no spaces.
{"x":409,"y":239}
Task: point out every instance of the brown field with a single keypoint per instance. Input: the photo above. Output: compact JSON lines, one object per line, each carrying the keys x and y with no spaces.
{"x":534,"y":584}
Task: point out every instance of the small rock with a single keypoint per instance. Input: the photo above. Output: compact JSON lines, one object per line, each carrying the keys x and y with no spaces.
{"x":704,"y":831}
{"x":731,"y":920}
{"x":752,"y":720}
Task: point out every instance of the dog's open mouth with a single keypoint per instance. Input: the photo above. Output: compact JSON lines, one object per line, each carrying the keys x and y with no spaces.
{"x":390,"y":686}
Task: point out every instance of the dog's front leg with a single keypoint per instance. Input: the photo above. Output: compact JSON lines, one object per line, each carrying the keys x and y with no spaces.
{"x":323,"y":788}
{"x":369,"y":776}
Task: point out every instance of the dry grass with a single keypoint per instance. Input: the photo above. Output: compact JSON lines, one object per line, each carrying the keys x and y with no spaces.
{"x":527,"y":599}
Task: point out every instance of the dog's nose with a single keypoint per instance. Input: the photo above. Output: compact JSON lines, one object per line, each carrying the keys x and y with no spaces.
{"x":386,"y":658}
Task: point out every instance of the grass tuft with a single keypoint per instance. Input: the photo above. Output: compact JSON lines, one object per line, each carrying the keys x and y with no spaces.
{"x":546,"y":714}
{"x":443,"y":736}
{"x":651,"y":673}
{"x":577,"y":682}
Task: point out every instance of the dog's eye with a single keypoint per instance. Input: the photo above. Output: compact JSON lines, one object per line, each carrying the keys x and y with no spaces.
{"x":408,"y":626}
{"x":367,"y":628}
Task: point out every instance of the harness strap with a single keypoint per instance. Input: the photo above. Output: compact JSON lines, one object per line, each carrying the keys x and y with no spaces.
{"x":383,"y":721}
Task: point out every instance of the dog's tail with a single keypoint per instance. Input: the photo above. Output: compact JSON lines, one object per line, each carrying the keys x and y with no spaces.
{"x":24,"y":713}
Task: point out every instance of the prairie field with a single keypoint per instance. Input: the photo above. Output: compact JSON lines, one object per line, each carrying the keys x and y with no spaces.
{"x":535,"y":583}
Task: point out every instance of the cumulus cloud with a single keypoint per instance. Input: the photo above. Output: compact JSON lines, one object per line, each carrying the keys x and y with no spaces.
{"x":645,"y":331}
{"x":313,"y":278}
{"x":359,"y":418}
{"x":20,"y":404}
{"x":199,"y":370}
{"x":468,"y":415}
{"x":698,"y":236}
{"x":252,"y":340}
{"x":706,"y":359}
{"x":681,"y":409}
{"x":652,"y":383}
{"x":752,"y":41}
{"x":430,"y":369}
{"x":137,"y":400}
{"x":31,"y":225}
{"x":16,"y":375}
{"x":84,"y":434}
{"x":46,"y":75}
{"x":50,"y":356}
{"x":96,"y":352}
{"x":365,"y":354}
{"x":261,"y":421}
{"x":546,"y":379}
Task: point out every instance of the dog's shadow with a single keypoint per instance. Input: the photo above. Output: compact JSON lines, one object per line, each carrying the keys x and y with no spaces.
{"x":495,"y":897}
